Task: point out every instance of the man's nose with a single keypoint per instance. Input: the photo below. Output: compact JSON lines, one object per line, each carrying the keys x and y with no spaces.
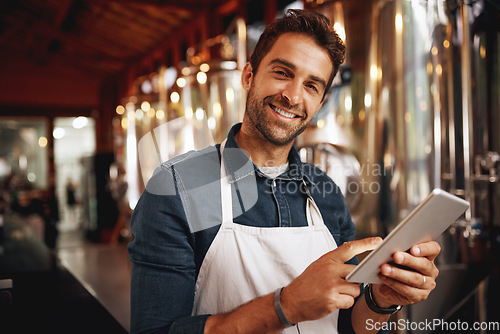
{"x":293,"y":93}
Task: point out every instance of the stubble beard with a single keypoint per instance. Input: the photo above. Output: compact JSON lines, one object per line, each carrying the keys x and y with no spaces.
{"x":256,"y":112}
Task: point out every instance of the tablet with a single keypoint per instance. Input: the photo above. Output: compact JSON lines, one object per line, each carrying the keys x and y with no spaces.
{"x":426,"y":222}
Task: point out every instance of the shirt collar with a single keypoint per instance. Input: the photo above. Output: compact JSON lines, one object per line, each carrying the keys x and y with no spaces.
{"x":239,"y":166}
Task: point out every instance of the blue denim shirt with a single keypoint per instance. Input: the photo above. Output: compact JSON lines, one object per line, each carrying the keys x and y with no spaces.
{"x":170,"y":244}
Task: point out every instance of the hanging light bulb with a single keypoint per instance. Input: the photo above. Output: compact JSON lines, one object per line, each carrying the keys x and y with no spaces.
{"x":181,"y":82}
{"x":175,"y":97}
{"x":58,"y":133}
{"x":80,"y":122}
{"x":145,"y":106}
{"x":201,"y":77}
{"x":120,"y":109}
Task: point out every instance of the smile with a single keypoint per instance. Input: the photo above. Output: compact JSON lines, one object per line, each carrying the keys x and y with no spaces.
{"x":282,"y":112}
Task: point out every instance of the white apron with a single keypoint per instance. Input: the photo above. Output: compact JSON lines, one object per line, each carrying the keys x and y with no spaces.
{"x":246,"y":262}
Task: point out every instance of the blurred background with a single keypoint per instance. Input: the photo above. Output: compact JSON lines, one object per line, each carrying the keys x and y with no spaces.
{"x":94,"y":94}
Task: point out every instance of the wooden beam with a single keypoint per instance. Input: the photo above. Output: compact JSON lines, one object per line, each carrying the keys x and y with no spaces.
{"x":44,"y":111}
{"x":270,"y":11}
{"x":42,"y":46}
{"x":227,"y":8}
{"x":14,"y":29}
{"x":188,"y":5}
{"x":62,"y":13}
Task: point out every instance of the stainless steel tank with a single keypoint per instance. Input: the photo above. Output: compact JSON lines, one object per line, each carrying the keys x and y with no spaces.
{"x":432,"y":104}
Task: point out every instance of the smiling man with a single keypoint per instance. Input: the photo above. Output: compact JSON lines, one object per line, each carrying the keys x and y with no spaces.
{"x":284,"y":93}
{"x":279,"y":264}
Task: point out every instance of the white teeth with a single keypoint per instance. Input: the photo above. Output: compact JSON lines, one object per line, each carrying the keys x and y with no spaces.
{"x":284,"y":113}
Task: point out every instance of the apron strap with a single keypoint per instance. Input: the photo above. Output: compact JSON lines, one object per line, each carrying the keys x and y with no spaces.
{"x":313,"y":215}
{"x":225,"y":191}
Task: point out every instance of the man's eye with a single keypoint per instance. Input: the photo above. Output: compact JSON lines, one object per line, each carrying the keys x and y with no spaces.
{"x":281,"y":73}
{"x":313,"y":87}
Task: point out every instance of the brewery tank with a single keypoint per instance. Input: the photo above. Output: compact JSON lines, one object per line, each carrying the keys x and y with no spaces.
{"x":429,"y":93}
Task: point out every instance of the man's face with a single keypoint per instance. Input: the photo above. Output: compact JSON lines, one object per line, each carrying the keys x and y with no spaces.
{"x":287,"y":90}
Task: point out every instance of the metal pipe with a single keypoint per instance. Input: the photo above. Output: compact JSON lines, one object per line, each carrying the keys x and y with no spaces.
{"x":467,"y":110}
{"x":451,"y":111}
{"x":241,"y":32}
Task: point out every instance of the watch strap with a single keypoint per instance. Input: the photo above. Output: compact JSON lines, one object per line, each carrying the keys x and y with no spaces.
{"x":279,"y":309}
{"x":374,"y":307}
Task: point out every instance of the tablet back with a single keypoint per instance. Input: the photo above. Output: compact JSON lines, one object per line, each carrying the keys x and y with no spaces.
{"x":426,"y":222}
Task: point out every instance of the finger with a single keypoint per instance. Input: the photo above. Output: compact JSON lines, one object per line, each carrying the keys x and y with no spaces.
{"x":407,"y":277}
{"x":352,"y":248}
{"x":430,"y":250}
{"x":344,"y":270}
{"x":347,"y":288}
{"x":420,"y":264}
{"x":409,"y":293}
{"x":424,"y":279}
{"x":345,"y":301}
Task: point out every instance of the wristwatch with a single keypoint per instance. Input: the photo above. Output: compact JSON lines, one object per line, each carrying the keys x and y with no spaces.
{"x":374,"y":307}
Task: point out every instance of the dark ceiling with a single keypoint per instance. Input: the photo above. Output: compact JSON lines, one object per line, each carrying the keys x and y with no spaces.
{"x":95,"y":37}
{"x":61,"y":53}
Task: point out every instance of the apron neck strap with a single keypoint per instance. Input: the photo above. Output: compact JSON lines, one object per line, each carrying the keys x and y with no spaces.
{"x":313,"y":214}
{"x":225,"y":190}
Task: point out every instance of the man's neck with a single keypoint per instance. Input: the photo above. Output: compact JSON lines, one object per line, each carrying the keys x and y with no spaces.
{"x":262,"y":152}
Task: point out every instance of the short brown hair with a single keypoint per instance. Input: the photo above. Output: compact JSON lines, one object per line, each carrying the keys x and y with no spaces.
{"x":306,"y":22}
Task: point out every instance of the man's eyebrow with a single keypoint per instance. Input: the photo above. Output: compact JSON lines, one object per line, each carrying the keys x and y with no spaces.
{"x":282,"y":62}
{"x":291,"y":66}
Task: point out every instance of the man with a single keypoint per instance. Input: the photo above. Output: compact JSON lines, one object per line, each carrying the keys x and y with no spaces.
{"x":279,"y":264}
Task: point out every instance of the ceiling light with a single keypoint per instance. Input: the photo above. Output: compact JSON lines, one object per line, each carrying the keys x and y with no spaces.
{"x":185,"y":71}
{"x":175,"y":97}
{"x":146,"y":87}
{"x":160,"y":114}
{"x":145,"y":106}
{"x":58,"y":133}
{"x":31,"y":177}
{"x":120,"y":110}
{"x":181,"y":82}
{"x":42,"y":141}
{"x":204,"y":67}
{"x":80,"y":122}
{"x":199,"y":114}
{"x":228,"y":65}
{"x":201,"y":77}
{"x":169,"y":76}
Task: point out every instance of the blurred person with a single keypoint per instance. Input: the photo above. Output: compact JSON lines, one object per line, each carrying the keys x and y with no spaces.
{"x":51,"y":216}
{"x":71,"y":200}
{"x":38,"y":209}
{"x":28,"y":204}
{"x":23,"y":250}
{"x":204,"y":261}
{"x":117,"y":185}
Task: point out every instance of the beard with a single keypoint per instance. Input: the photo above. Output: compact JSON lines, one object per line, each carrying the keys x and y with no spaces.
{"x":276,"y":132}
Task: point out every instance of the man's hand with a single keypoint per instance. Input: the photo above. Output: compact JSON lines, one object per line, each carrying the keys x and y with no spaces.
{"x":322,"y":288}
{"x":408,"y":286}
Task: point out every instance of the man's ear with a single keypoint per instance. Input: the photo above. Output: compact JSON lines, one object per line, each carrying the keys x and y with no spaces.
{"x":247,"y":77}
